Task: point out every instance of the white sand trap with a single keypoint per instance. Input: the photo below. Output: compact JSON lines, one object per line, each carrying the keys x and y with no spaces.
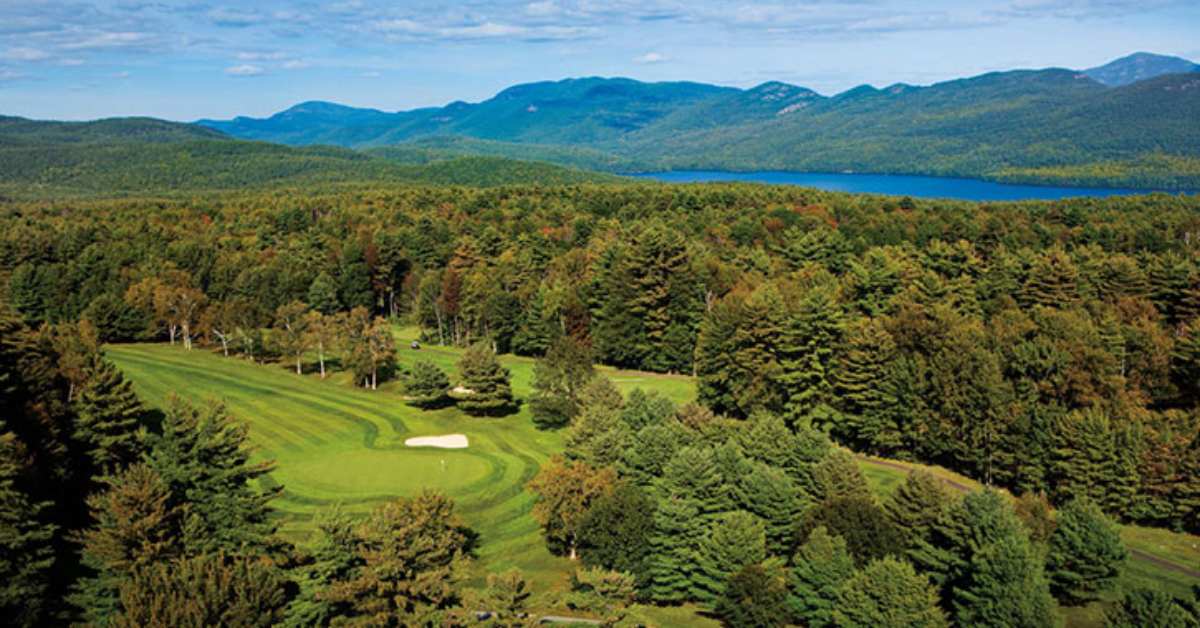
{"x":449,"y":441}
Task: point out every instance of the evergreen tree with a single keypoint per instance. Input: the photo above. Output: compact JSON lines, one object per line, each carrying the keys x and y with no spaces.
{"x":769,"y":441}
{"x":981,"y":559}
{"x":26,"y":553}
{"x":888,"y":592}
{"x":558,"y":378}
{"x":819,"y":569}
{"x":916,"y":505}
{"x":645,"y":455}
{"x":1004,"y":587}
{"x":1095,"y":458}
{"x":335,"y":558}
{"x":1053,"y":281}
{"x":1143,"y":607}
{"x":642,"y":409}
{"x":485,"y":387}
{"x":675,"y":549}
{"x":108,"y":416}
{"x":1185,"y":362}
{"x":354,"y":278}
{"x":203,"y":456}
{"x":860,"y":521}
{"x":806,"y":345}
{"x":1036,"y":513}
{"x":693,"y":474}
{"x":1085,"y":554}
{"x":413,"y":553}
{"x":205,"y":590}
{"x":598,"y":436}
{"x":774,"y":497}
{"x":136,"y":526}
{"x":507,"y":597}
{"x":426,"y":385}
{"x":615,"y":532}
{"x":736,"y":540}
{"x":322,"y":294}
{"x":754,"y":597}
{"x":859,"y":381}
{"x":838,"y":475}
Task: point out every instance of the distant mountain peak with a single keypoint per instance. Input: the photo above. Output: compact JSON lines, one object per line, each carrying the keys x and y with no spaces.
{"x":1139,"y":66}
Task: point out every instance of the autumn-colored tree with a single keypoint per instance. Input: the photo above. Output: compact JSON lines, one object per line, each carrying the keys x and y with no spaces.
{"x":565,"y":493}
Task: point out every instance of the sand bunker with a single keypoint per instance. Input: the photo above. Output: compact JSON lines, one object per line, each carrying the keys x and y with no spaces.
{"x":449,"y":441}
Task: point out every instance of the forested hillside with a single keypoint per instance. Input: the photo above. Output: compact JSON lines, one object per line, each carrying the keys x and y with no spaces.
{"x":1054,"y":125}
{"x":124,"y":156}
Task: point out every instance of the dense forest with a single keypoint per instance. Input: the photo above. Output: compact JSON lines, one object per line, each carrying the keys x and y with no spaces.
{"x":1050,"y":350}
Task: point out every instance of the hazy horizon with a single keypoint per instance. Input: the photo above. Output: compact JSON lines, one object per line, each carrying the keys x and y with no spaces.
{"x":191,"y":60}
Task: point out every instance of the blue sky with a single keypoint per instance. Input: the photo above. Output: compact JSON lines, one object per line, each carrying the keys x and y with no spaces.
{"x":187,"y":60}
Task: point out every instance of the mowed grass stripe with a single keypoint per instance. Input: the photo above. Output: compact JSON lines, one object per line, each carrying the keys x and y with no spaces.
{"x":302,"y":419}
{"x":334,"y":444}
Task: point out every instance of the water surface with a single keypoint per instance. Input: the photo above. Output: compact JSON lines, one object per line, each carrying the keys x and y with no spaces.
{"x":897,"y":184}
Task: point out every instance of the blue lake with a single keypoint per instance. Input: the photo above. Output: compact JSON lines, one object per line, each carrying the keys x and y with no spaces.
{"x":899,"y":185}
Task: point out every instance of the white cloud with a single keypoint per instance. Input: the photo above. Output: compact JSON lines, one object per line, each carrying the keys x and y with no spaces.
{"x":234,"y":18}
{"x":260,"y":56}
{"x":372,"y":74}
{"x":25,"y":54}
{"x":112,"y":40}
{"x":10,"y":75}
{"x":121,"y":75}
{"x":245,"y":69}
{"x":649,"y":58}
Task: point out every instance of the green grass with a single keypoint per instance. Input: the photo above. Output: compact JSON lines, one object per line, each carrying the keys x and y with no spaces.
{"x":336,"y":444}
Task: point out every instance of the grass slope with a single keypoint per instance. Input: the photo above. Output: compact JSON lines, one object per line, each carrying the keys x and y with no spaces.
{"x":335,"y":444}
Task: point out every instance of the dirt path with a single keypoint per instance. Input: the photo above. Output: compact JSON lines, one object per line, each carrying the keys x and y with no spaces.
{"x":963,"y":488}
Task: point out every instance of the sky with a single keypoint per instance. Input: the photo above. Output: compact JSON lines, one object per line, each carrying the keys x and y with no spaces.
{"x":190,"y":60}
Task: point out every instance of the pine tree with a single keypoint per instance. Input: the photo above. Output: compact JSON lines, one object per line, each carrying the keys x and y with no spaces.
{"x":108,"y":417}
{"x":754,"y":597}
{"x":354,"y":278}
{"x":26,"y":553}
{"x":675,"y":549}
{"x":838,"y":475}
{"x":413,"y":553}
{"x":507,"y":597}
{"x":736,"y":540}
{"x":806,"y":345}
{"x":980,"y":557}
{"x":335,"y":558}
{"x":426,"y":385}
{"x":1185,"y":362}
{"x":643,"y":459}
{"x":643,"y":409}
{"x":771,"y":442}
{"x":1085,"y":554}
{"x":1095,"y":458}
{"x":485,"y":387}
{"x":1170,"y":275}
{"x":774,"y":497}
{"x":1142,"y":607}
{"x":136,"y":525}
{"x":888,"y":592}
{"x":693,"y":474}
{"x":860,"y":388}
{"x":205,"y":590}
{"x":916,"y":505}
{"x":203,"y":456}
{"x":599,"y":437}
{"x":1053,"y":281}
{"x":819,"y":569}
{"x":860,"y":521}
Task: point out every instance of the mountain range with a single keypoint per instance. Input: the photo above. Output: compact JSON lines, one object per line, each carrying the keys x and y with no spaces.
{"x":1129,"y":122}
